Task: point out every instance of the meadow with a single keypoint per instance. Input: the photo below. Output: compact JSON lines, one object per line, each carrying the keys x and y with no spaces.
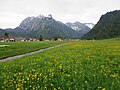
{"x":79,"y":65}
{"x":8,"y":49}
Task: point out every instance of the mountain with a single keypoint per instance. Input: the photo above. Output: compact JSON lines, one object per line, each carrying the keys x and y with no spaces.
{"x":1,"y":31}
{"x":90,"y":25}
{"x":79,"y":27}
{"x":107,"y":27}
{"x":47,"y":27}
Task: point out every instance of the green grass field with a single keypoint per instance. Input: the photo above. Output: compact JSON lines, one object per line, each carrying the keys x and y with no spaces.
{"x":16,"y":48}
{"x":80,"y":65}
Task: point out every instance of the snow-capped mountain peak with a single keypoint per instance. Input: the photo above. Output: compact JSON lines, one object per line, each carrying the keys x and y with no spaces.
{"x":79,"y":27}
{"x":90,"y":25}
{"x":41,"y":16}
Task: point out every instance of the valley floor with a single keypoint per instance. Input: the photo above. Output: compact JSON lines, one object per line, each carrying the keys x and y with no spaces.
{"x":80,"y":65}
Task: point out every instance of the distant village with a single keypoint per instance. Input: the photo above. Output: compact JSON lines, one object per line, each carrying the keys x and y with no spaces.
{"x":6,"y":38}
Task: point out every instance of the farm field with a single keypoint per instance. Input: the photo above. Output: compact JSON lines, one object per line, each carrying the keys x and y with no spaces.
{"x":8,"y":49}
{"x":79,"y":65}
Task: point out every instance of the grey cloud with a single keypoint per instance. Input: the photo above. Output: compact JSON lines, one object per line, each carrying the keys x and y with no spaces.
{"x":63,"y":10}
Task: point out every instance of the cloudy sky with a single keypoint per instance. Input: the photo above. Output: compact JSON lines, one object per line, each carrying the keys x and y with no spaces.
{"x":12,"y":12}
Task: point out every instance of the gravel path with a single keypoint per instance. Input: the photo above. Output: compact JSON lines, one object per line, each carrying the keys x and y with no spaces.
{"x":30,"y":53}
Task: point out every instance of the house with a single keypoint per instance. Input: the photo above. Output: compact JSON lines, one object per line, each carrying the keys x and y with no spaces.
{"x":12,"y":40}
{"x":47,"y":40}
{"x":23,"y":40}
{"x":34,"y":39}
{"x":1,"y":39}
{"x":59,"y":39}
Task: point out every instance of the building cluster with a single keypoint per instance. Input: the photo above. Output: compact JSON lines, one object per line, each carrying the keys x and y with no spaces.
{"x":12,"y":39}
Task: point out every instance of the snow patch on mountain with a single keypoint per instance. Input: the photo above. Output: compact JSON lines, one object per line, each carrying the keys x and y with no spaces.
{"x":90,"y":25}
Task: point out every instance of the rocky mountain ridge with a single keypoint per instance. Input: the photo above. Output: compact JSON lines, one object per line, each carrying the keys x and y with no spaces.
{"x":45,"y":26}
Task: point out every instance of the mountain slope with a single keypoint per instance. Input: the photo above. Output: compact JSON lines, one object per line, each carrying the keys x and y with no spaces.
{"x":107,"y":27}
{"x":1,"y":31}
{"x":46,"y":27}
{"x":79,"y":27}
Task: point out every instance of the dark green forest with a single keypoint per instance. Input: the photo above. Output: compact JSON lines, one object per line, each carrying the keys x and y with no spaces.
{"x":107,"y":27}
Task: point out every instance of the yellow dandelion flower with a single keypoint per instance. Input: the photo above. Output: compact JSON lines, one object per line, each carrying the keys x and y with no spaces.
{"x":54,"y":89}
{"x":103,"y":89}
{"x":18,"y":88}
